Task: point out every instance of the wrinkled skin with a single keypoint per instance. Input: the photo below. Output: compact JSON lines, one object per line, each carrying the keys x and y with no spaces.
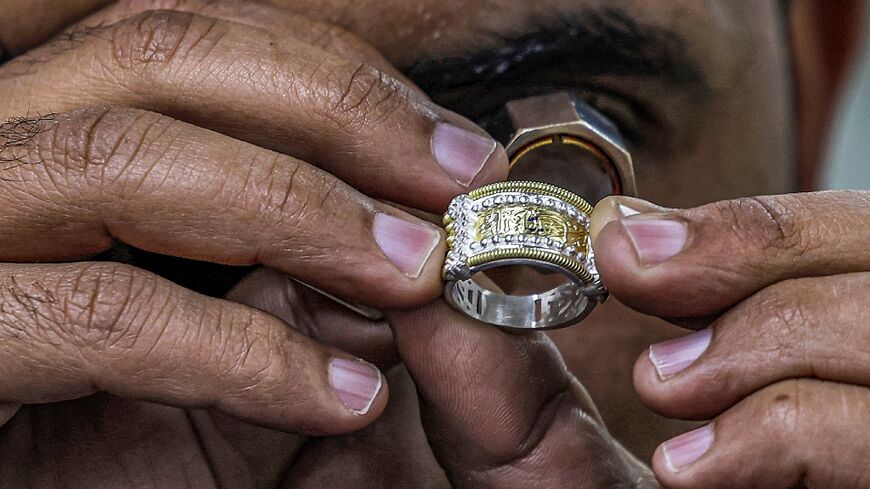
{"x":277,"y":134}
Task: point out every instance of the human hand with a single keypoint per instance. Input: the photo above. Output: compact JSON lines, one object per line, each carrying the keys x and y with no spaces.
{"x":498,"y":410}
{"x":158,"y":137}
{"x":779,"y":286}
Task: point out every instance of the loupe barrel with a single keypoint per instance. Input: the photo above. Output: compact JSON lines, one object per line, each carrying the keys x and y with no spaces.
{"x":570,"y":163}
{"x":561,"y":140}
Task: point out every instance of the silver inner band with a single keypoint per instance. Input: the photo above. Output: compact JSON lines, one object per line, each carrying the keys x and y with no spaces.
{"x":557,"y":307}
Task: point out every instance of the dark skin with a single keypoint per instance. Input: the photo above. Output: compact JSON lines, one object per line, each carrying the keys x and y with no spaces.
{"x":160,"y":386}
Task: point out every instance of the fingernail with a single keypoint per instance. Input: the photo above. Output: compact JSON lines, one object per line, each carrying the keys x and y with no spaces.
{"x":461,"y":153}
{"x":407,"y":244}
{"x":655,"y":240}
{"x":626,"y":211}
{"x":356,"y":383}
{"x":684,"y":450}
{"x":674,"y":356}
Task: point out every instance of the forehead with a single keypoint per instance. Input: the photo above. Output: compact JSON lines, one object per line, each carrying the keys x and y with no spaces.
{"x":408,"y":31}
{"x":628,"y":58}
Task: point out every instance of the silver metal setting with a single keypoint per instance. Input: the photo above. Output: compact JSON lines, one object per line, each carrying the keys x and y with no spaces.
{"x":562,"y":114}
{"x":561,"y":306}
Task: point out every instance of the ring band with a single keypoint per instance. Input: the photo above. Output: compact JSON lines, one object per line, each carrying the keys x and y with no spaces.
{"x":521,"y":223}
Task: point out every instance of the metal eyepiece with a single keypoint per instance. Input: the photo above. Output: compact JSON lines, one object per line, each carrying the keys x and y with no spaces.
{"x":562,"y":140}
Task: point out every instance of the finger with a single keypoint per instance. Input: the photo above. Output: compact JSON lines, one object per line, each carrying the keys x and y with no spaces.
{"x":396,"y":438}
{"x":697,"y":262}
{"x":789,"y":330}
{"x":500,"y":410}
{"x":287,"y":27}
{"x":799,"y":433}
{"x":267,"y":453}
{"x":343,"y":115}
{"x":73,"y":330}
{"x":316,"y":316}
{"x":86,"y":178}
{"x":392,"y":452}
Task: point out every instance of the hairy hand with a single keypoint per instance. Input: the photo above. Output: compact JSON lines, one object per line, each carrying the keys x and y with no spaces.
{"x":779,"y":286}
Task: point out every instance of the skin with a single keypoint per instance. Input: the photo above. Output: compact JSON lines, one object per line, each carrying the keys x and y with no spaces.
{"x":123,"y":374}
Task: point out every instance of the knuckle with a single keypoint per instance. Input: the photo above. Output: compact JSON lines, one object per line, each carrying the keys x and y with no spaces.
{"x":249,"y":358}
{"x":285,"y":196}
{"x":29,"y":310}
{"x":91,"y":305}
{"x":800,"y":325}
{"x":785,"y":313}
{"x":150,"y":40}
{"x":772,"y":224}
{"x":101,"y":302}
{"x":256,"y":353}
{"x":360,"y":96}
{"x":98,"y":143}
{"x":273,"y":188}
{"x":296,"y":193}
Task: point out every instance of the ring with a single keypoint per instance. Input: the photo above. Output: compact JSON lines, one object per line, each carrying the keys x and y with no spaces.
{"x":521,"y":223}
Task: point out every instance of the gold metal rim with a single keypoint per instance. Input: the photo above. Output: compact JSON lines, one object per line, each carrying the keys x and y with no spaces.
{"x":607,"y":164}
{"x":533,"y":187}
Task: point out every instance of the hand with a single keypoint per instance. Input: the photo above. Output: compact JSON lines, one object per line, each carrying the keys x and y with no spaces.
{"x":498,"y":410}
{"x":781,"y":285}
{"x":106,"y":441}
{"x":154,"y":132}
{"x":501,"y":411}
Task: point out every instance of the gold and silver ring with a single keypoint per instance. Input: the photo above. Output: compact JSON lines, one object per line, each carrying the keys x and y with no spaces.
{"x":525,"y":223}
{"x":519,"y":253}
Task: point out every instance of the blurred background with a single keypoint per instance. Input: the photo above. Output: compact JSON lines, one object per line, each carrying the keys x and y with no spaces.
{"x":848,"y":151}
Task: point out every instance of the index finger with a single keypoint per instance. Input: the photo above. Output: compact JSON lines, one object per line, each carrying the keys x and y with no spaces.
{"x":167,"y":187}
{"x":340,"y":114}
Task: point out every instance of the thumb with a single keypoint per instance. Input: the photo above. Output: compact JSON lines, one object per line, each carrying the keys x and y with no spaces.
{"x":501,"y":410}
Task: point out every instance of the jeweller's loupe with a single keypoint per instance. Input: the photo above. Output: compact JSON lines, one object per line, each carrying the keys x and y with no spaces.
{"x":561,"y":140}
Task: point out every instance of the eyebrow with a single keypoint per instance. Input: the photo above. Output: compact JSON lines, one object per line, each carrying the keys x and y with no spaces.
{"x":603,"y":41}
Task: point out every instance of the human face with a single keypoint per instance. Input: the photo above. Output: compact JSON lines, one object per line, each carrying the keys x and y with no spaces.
{"x":701,"y":91}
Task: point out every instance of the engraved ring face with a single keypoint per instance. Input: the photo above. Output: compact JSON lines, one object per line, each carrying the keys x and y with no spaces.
{"x":521,"y":223}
